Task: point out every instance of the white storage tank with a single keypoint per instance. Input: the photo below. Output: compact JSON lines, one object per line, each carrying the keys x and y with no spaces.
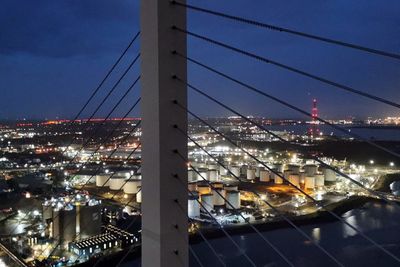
{"x":277,"y":179}
{"x":251,"y":174}
{"x":139,"y":195}
{"x":212,"y":175}
{"x":329,"y":175}
{"x":192,"y":176}
{"x":218,"y":199}
{"x":243,"y":169}
{"x":233,"y":199}
{"x":258,"y":169}
{"x":212,"y":166}
{"x":207,"y":203}
{"x":309,"y":182}
{"x":102,"y":180}
{"x":302,"y":176}
{"x":310,"y":169}
{"x":279,"y":167}
{"x":229,"y":187}
{"x":117,"y":182}
{"x":222,"y":170}
{"x":193,"y":206}
{"x":294,"y":179}
{"x":294,"y":168}
{"x":235,"y":170}
{"x":286,"y":174}
{"x":125,"y":174}
{"x":132,"y":185}
{"x":264,"y":176}
{"x":201,"y":174}
{"x":319,"y":180}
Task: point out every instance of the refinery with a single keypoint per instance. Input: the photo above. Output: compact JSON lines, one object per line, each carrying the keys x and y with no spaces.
{"x":68,"y":204}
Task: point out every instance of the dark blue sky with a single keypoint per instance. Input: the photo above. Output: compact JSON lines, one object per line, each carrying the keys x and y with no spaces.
{"x":53,"y":53}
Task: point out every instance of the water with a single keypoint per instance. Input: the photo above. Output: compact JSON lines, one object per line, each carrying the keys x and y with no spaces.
{"x":378,"y":221}
{"x":384,"y":134}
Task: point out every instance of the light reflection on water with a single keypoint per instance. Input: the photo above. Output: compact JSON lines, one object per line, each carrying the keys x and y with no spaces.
{"x":378,"y":221}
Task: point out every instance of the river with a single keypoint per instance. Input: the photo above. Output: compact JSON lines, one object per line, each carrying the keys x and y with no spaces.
{"x":379,"y":221}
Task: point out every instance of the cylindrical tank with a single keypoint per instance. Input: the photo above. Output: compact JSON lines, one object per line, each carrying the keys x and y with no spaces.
{"x":102,"y":180}
{"x":222,"y":170}
{"x":207,"y":203}
{"x":293,"y":168}
{"x":264,"y":176}
{"x":212,"y":175}
{"x":47,"y":212}
{"x":294,"y":179}
{"x":279,"y":167}
{"x":192,"y":176}
{"x":233,"y":199}
{"x":218,"y":199}
{"x":302,"y":176}
{"x":309,"y":182}
{"x":310,"y":169}
{"x":139,"y":195}
{"x":202,"y":174}
{"x":117,"y":182}
{"x":277,"y":179}
{"x":329,"y":175}
{"x":319,"y":180}
{"x":88,"y":220}
{"x":251,"y":174}
{"x":258,"y":169}
{"x":243,"y":169}
{"x":229,"y":187}
{"x":212,"y":166}
{"x":286,"y":174}
{"x":193,"y":206}
{"x":218,"y":185}
{"x":235,"y":170}
{"x":203,"y":189}
{"x":131,"y":186}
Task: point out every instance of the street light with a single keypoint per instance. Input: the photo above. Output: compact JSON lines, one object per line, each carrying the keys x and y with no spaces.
{"x":391,"y":164}
{"x":371,"y":161}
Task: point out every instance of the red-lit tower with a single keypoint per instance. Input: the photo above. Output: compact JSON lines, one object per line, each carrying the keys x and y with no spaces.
{"x":314,"y":131}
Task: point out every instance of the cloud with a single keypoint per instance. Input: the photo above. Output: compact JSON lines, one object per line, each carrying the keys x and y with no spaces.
{"x":65,"y":28}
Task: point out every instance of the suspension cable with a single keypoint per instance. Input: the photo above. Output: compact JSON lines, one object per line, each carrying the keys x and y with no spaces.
{"x":112,"y":110}
{"x":237,"y":212}
{"x":293,"y":185}
{"x":371,"y":191}
{"x":289,"y":68}
{"x":286,"y":30}
{"x":280,"y":214}
{"x":258,"y":91}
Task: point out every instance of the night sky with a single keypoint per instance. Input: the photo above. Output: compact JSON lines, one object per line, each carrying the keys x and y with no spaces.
{"x":54,"y":53}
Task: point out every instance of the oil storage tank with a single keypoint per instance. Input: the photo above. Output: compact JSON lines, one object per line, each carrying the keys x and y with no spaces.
{"x":251,"y":174}
{"x":207,"y":204}
{"x":233,"y":199}
{"x":193,"y":206}
{"x":117,"y":182}
{"x":131,"y":186}
{"x":102,"y":180}
{"x":264,"y":176}
{"x":309,"y":182}
{"x":310,"y":169}
{"x":218,"y":196}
